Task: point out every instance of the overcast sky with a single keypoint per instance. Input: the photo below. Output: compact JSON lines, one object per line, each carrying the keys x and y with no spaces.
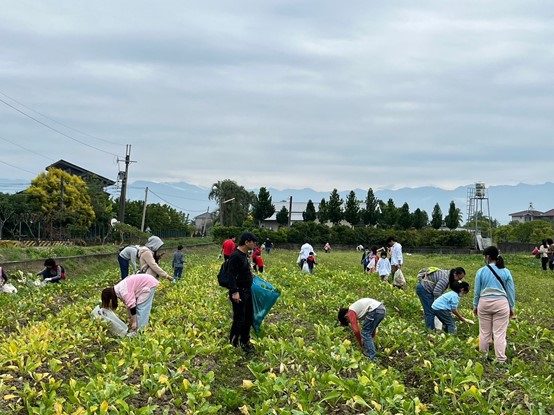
{"x":287,"y":94}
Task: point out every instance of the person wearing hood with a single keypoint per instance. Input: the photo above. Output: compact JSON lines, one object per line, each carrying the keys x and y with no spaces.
{"x":147,"y":258}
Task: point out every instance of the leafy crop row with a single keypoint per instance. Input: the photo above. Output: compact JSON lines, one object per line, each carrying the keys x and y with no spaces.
{"x":55,"y":360}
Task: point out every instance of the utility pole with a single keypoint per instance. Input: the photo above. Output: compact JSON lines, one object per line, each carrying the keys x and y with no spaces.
{"x":144,"y":209}
{"x":123,"y":196}
{"x":290,"y":211}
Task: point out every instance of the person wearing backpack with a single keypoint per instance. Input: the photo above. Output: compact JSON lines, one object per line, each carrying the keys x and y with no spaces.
{"x":240,"y":279}
{"x":494,"y":303}
{"x":433,"y":282}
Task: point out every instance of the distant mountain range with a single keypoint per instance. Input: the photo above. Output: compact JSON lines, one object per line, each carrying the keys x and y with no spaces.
{"x":504,"y":199}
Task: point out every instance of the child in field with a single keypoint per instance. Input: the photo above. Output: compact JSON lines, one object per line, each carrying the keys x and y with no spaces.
{"x":383,"y":267}
{"x":370,"y":313}
{"x":178,"y":263}
{"x":447,"y":304}
{"x":257,"y":260}
{"x":311,"y":262}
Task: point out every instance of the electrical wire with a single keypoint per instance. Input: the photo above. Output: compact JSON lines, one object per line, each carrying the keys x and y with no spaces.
{"x":55,"y":129}
{"x":18,"y":168}
{"x":171,"y":204}
{"x":26,"y":149}
{"x":166,"y":194}
{"x":59,"y":122}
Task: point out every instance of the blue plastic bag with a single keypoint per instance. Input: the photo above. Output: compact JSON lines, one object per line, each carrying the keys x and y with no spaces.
{"x":264,"y":296}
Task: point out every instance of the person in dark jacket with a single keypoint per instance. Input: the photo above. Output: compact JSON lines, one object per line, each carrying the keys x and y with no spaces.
{"x":240,"y":294}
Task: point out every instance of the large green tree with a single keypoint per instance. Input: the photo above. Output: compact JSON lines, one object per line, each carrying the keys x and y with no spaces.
{"x":262,"y":206}
{"x":283,"y":216}
{"x":389,"y":214}
{"x":7,"y":210}
{"x":234,"y":202}
{"x":352,"y":209}
{"x":370,"y":214}
{"x":323,"y":212}
{"x":436,"y":217}
{"x":454,"y":217}
{"x":64,"y":200}
{"x":419,"y":219}
{"x":334,"y":207}
{"x":404,"y":218}
{"x":309,"y":215}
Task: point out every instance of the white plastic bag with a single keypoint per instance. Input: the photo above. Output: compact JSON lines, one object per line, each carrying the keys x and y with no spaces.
{"x":306,"y":268}
{"x":438,"y":324}
{"x":117,"y":326}
{"x":8,"y":288}
{"x":398,"y":279}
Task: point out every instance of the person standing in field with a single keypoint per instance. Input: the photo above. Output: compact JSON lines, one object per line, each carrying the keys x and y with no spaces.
{"x":228,"y":247}
{"x":137,"y":293}
{"x":268,"y":245}
{"x":550,"y":253}
{"x":147,"y":257}
{"x":396,"y":258}
{"x":178,"y":263}
{"x":383,"y":267}
{"x":370,"y":313}
{"x":327,"y":248}
{"x":128,"y":257}
{"x":494,"y":303}
{"x":433,"y":282}
{"x":240,"y":292}
{"x":543,"y":251}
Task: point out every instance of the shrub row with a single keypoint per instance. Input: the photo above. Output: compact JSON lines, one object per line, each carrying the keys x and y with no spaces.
{"x":316,"y":233}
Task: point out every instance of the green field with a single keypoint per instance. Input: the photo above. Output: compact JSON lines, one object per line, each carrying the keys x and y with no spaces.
{"x":55,"y":360}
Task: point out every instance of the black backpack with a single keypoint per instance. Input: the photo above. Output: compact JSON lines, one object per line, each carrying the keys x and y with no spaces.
{"x":223,"y":277}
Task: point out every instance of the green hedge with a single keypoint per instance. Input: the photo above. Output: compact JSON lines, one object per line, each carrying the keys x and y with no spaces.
{"x":316,"y":233}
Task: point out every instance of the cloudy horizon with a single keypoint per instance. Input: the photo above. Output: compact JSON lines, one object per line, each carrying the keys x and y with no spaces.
{"x":281,"y":94}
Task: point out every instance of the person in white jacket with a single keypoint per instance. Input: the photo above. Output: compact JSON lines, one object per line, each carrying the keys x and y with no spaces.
{"x":148,"y":263}
{"x":396,"y":258}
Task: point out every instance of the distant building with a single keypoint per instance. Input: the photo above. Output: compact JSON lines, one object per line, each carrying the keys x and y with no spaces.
{"x":84,"y":174}
{"x":296,"y":216}
{"x":203,"y":222}
{"x":532,"y":214}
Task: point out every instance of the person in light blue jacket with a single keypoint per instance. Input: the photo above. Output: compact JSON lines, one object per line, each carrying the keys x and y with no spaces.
{"x":494,"y":303}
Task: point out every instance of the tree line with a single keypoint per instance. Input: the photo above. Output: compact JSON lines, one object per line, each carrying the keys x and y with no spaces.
{"x":372,"y":211}
{"x":59,"y":205}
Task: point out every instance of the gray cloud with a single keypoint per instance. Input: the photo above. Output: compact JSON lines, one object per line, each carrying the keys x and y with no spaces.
{"x":285,"y":94}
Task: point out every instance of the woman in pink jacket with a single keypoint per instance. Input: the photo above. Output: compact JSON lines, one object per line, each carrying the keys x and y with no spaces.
{"x":137,"y":293}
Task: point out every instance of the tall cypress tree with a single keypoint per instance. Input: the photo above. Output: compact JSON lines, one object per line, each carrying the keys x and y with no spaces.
{"x":283,"y":216}
{"x":322,"y":214}
{"x":452,"y":220}
{"x":334,"y":207}
{"x":436,"y":217}
{"x":262,"y":207}
{"x":309,"y":215}
{"x":352,"y":209}
{"x":370,"y":214}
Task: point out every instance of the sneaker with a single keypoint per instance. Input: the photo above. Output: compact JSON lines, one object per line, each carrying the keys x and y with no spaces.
{"x":248,"y":348}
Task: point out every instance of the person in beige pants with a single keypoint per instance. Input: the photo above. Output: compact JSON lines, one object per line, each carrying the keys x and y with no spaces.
{"x":494,"y":303}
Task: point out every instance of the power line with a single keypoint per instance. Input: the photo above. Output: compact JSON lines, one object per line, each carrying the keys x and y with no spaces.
{"x":170,"y":195}
{"x":16,"y":167}
{"x":55,"y":129}
{"x":59,"y":122}
{"x":171,"y":204}
{"x":26,"y":149}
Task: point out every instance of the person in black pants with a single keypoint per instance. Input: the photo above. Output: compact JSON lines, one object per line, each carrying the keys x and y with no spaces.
{"x":240,"y":294}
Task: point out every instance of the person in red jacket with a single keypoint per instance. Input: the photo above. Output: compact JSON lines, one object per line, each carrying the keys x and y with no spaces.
{"x":228,"y":247}
{"x":257,"y":259}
